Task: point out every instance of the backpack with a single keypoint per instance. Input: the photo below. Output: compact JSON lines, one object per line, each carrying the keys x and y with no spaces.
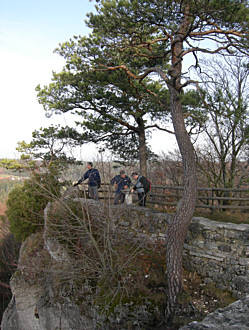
{"x":147,"y":187}
{"x":149,"y":184}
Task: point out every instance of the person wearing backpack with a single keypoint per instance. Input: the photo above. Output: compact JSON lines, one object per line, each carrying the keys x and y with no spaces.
{"x":120,"y":182}
{"x":142,"y":186}
{"x":94,"y":181}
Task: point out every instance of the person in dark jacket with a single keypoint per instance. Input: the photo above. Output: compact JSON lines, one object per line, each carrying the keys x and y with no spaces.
{"x":142,"y":187}
{"x":94,"y":181}
{"x":120,"y":182}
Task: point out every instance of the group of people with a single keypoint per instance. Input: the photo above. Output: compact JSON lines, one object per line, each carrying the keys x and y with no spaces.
{"x":122,"y":184}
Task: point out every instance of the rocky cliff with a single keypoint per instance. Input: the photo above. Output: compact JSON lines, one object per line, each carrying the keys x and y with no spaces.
{"x":39,"y":300}
{"x":47,"y":294}
{"x":234,"y":316}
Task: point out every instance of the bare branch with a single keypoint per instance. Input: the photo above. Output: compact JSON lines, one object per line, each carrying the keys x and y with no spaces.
{"x":160,"y":128}
{"x":128,"y":72}
{"x":216,"y":31}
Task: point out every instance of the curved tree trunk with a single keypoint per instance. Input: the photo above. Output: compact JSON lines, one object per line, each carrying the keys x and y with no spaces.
{"x":177,"y":230}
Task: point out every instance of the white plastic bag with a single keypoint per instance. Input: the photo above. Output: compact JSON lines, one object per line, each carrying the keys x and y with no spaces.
{"x":128,"y":198}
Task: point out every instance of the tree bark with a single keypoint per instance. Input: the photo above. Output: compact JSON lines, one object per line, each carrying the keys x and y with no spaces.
{"x":177,"y":229}
{"x":142,"y":148}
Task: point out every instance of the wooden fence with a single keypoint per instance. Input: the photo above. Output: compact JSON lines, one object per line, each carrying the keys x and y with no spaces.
{"x":209,"y":198}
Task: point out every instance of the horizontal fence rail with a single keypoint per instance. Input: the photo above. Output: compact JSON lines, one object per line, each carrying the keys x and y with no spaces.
{"x":210,"y":198}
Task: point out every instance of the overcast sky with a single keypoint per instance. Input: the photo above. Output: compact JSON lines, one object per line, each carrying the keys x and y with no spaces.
{"x":29,"y":32}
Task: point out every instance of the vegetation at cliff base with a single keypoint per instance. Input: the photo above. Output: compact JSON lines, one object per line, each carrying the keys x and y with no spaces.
{"x":9,"y":250}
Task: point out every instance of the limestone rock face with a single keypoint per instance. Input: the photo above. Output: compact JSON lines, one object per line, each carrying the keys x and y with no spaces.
{"x":234,"y":316}
{"x":38,"y":304}
{"x":10,"y":317}
{"x":43,"y":299}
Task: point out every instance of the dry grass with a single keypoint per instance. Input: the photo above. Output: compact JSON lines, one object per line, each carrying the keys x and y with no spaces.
{"x":227,"y":216}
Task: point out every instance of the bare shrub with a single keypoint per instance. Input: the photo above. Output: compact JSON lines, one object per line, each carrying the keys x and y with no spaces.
{"x":167,"y":170}
{"x":112,"y":262}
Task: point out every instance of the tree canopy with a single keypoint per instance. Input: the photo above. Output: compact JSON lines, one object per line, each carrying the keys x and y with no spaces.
{"x":49,"y":144}
{"x":110,"y":107}
{"x":107,"y":108}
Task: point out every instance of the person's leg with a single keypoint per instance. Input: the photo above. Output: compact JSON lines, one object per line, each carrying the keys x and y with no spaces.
{"x":90,"y":191}
{"x":116,"y":198}
{"x":141,"y":199}
{"x":93,"y":192}
{"x":145,"y":196}
{"x":122,"y":198}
